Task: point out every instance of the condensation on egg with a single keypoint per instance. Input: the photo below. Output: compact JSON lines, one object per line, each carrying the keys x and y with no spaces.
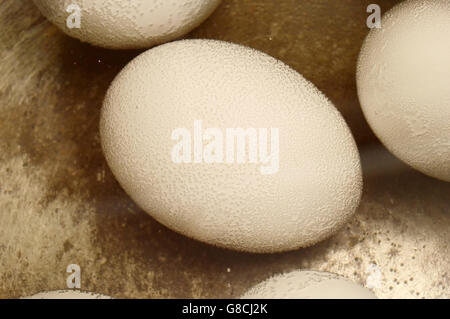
{"x":119,"y":24}
{"x":308,"y":285}
{"x":403,"y":82}
{"x":312,"y":194}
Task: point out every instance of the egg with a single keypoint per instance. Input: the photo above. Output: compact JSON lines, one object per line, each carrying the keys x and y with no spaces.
{"x":308,"y":285}
{"x":230,"y":146}
{"x":403,"y":80}
{"x":67,"y":294}
{"x":119,"y":24}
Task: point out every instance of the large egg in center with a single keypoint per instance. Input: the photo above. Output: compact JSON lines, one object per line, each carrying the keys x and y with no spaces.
{"x":229,"y":146}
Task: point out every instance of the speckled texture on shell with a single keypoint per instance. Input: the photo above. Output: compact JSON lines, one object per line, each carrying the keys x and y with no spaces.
{"x":308,"y":285}
{"x":67,"y":294}
{"x":404,"y":84}
{"x":318,"y":185}
{"x":122,"y":24}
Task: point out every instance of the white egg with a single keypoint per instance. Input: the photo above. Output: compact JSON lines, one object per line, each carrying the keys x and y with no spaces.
{"x":404,"y":84}
{"x":295,"y":180}
{"x":119,"y":24}
{"x":67,"y":294}
{"x":308,"y":285}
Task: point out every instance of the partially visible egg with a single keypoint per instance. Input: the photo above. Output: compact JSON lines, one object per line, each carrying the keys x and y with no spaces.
{"x":119,"y":24}
{"x":67,"y":294}
{"x":165,"y":130}
{"x":403,"y":82}
{"x":308,"y":285}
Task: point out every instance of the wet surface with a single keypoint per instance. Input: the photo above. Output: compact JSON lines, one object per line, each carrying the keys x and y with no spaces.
{"x":60,"y":204}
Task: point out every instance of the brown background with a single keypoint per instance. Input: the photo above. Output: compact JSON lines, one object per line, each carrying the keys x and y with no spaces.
{"x":59,"y":203}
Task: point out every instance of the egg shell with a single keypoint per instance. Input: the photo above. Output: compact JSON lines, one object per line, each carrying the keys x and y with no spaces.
{"x":314,"y":193}
{"x":67,"y":294}
{"x":308,"y":285}
{"x":403,"y":82}
{"x":119,"y":24}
